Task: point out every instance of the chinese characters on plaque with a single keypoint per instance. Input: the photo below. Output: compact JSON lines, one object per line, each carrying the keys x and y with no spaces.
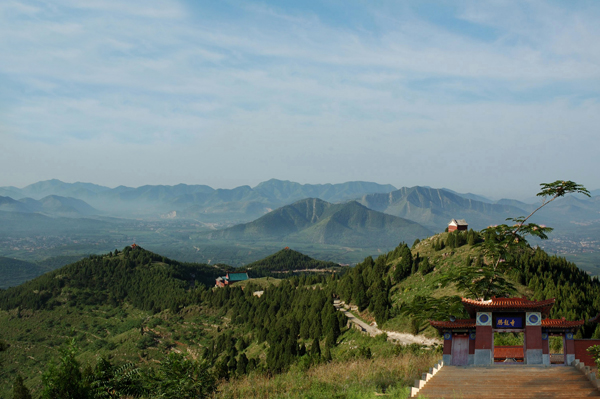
{"x":509,"y":322}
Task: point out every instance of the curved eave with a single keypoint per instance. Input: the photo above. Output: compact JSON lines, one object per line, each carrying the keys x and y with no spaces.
{"x":460,"y":324}
{"x":559,"y":324}
{"x":508,"y":305}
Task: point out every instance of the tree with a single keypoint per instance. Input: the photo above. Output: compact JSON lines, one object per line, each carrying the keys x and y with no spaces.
{"x":501,"y":246}
{"x":20,"y":391}
{"x":109,"y":381}
{"x":64,"y":380}
{"x":181,"y":378}
{"x":595,"y":352}
{"x":315,"y":348}
{"x":502,"y":243}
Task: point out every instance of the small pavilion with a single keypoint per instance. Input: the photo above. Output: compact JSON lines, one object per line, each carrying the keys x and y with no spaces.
{"x":231,"y":278}
{"x":458,"y":225}
{"x":471,"y":341}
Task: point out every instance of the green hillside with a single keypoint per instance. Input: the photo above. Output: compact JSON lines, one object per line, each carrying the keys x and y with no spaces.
{"x":382,"y":287}
{"x":137,"y":306}
{"x":135,"y":276}
{"x":288,"y":260}
{"x":15,"y":272}
{"x":315,"y":221}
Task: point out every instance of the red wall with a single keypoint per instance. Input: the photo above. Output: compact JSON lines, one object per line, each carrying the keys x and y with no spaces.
{"x":581,"y":353}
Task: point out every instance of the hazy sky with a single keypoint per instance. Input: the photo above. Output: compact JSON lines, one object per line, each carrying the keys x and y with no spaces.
{"x":489,"y":97}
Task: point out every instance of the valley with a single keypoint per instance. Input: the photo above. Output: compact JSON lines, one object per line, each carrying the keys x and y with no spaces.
{"x":141,"y":308}
{"x":52,"y":219}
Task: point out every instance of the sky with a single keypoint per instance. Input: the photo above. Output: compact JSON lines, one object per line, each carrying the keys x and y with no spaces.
{"x":489,"y":97}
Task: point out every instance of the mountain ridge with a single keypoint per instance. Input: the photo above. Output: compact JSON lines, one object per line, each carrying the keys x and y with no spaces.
{"x":195,"y":201}
{"x":317,"y":221}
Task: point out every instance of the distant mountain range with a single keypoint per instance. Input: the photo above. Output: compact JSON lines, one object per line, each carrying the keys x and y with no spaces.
{"x":317,"y":221}
{"x":53,"y":205}
{"x":434,"y":208}
{"x":195,"y":201}
{"x":430,"y":207}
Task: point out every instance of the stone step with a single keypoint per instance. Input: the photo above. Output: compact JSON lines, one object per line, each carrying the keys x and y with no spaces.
{"x":522,"y":381}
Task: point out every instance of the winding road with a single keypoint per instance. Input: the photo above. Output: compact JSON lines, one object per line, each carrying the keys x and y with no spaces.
{"x":392,"y":336}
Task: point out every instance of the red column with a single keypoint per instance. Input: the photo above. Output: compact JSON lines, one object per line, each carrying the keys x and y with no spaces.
{"x":484,"y":337}
{"x":484,"y":343}
{"x":447,"y":356}
{"x":534,"y":351}
{"x":569,"y":348}
{"x":447,"y":347}
{"x":546,"y":346}
{"x":533,"y":336}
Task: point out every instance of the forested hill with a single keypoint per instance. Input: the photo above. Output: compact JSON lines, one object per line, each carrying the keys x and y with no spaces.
{"x":146,"y":280}
{"x":312,"y":220}
{"x":14,"y":271}
{"x":385,"y":284}
{"x":288,"y":260}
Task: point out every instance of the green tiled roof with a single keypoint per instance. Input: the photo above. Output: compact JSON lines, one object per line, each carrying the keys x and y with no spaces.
{"x":237,"y":276}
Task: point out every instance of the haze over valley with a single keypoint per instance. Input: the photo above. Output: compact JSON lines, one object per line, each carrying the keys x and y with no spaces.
{"x":342,"y":222}
{"x":277,"y":199}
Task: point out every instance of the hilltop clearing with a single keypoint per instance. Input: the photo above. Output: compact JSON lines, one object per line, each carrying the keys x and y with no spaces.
{"x":288,"y":260}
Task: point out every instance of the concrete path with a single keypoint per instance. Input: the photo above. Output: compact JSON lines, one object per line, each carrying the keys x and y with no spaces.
{"x":393,"y":336}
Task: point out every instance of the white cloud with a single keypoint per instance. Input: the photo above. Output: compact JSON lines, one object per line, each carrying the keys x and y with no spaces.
{"x":272,"y":86}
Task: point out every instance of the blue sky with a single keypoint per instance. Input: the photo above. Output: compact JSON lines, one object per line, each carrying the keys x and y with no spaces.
{"x":489,"y":97}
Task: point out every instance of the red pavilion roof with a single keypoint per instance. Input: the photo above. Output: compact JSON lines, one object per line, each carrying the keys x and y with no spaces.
{"x":561,"y":323}
{"x":453,"y":325}
{"x":507,"y":304}
{"x":595,"y":319}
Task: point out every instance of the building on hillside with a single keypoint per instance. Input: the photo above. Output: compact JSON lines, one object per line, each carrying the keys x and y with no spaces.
{"x":471,"y":341}
{"x":231,"y":278}
{"x":460,"y":225}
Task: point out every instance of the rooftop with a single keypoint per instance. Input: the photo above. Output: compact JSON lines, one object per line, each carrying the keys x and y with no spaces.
{"x":508,"y":304}
{"x":237,"y":276}
{"x":562,"y":323}
{"x":456,"y":324}
{"x":459,"y":222}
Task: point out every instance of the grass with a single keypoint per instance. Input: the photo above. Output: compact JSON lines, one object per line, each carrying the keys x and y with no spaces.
{"x":356,"y":378}
{"x":390,"y":369}
{"x":258,"y":283}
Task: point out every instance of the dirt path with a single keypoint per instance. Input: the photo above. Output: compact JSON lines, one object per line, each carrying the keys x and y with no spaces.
{"x":392,"y":336}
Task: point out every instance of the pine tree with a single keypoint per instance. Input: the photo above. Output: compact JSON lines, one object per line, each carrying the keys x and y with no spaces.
{"x":327,"y":354}
{"x":20,"y":391}
{"x":315,"y":348}
{"x":242,"y":364}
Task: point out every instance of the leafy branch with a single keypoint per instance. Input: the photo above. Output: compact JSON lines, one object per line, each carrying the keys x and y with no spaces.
{"x":502,"y":240}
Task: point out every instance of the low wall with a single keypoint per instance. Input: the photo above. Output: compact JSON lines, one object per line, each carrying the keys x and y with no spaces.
{"x":581,"y":352}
